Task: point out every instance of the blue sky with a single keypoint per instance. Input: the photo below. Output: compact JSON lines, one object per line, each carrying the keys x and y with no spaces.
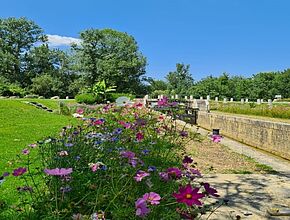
{"x":240,"y":37}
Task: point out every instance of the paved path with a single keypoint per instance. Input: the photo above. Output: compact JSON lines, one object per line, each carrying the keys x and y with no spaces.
{"x":251,"y":195}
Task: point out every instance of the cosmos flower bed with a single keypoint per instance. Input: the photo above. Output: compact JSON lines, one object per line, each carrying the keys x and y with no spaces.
{"x":119,"y":163}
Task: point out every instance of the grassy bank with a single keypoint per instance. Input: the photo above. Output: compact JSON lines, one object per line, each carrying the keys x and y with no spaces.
{"x":22,"y":124}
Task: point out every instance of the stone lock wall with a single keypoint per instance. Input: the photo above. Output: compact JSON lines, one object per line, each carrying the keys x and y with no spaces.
{"x":273,"y":137}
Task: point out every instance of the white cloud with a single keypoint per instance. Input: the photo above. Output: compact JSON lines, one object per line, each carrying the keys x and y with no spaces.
{"x":56,"y":40}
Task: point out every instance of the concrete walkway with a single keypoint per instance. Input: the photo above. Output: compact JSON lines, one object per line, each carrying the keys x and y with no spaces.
{"x":251,"y":196}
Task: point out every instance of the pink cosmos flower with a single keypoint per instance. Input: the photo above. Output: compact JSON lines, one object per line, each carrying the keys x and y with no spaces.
{"x":25,"y":151}
{"x":216,"y":138}
{"x":96,"y":166}
{"x":163,"y":102}
{"x":58,"y":171}
{"x":80,"y":111}
{"x":174,"y":172}
{"x":19,"y":171}
{"x":32,"y":145}
{"x":141,"y":207}
{"x":125,"y":124}
{"x":140,"y":175}
{"x":209,"y":190}
{"x":99,"y":122}
{"x":138,"y":105}
{"x":152,"y":197}
{"x":188,"y":195}
{"x":161,"y":117}
{"x":139,"y":136}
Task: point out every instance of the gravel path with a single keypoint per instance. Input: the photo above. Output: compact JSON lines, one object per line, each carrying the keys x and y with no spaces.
{"x":278,"y":164}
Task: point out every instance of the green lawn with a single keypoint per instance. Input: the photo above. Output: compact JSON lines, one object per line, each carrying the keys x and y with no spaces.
{"x":22,"y":124}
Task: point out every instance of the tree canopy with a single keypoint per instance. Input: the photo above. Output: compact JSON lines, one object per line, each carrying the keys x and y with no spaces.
{"x":112,"y":56}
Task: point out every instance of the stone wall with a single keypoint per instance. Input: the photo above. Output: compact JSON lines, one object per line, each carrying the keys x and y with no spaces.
{"x":273,"y":137}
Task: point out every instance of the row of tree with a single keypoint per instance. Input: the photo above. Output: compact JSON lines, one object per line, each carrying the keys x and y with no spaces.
{"x":262,"y":85}
{"x":29,"y":65}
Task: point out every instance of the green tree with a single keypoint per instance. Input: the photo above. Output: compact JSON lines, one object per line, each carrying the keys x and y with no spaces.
{"x":112,"y":56}
{"x":47,"y":86}
{"x":17,"y":37}
{"x":180,"y":81}
{"x":206,"y":86}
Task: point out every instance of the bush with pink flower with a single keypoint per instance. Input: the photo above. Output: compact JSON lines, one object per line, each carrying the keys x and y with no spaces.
{"x":119,"y":163}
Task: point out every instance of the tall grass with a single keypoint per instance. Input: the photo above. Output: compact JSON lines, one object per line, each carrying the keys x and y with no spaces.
{"x":276,"y":111}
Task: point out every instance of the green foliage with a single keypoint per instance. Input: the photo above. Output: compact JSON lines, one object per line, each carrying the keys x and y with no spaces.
{"x":180,"y":80}
{"x":87,"y":98}
{"x":10,"y":89}
{"x":100,"y":89}
{"x":64,"y":109}
{"x":17,"y":37}
{"x":47,"y":86}
{"x":112,"y":56}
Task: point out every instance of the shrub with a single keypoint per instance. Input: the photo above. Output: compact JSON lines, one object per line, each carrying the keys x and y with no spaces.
{"x":86,"y":98}
{"x":11,"y":90}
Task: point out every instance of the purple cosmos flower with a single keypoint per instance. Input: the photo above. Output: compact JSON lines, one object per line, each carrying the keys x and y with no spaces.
{"x":133,"y":162}
{"x":164,"y":176}
{"x":25,"y":151}
{"x":68,"y":144}
{"x":5,"y":174}
{"x":140,"y":175}
{"x":188,"y":195}
{"x":151,"y":168}
{"x":174,"y":172}
{"x":58,"y":171}
{"x":19,"y":171}
{"x":216,"y":138}
{"x":141,"y":207}
{"x":183,"y":133}
{"x":163,"y":102}
{"x":128,"y":154}
{"x":195,"y":171}
{"x":187,"y":159}
{"x":209,"y":190}
{"x":173,"y":104}
{"x":152,"y":197}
